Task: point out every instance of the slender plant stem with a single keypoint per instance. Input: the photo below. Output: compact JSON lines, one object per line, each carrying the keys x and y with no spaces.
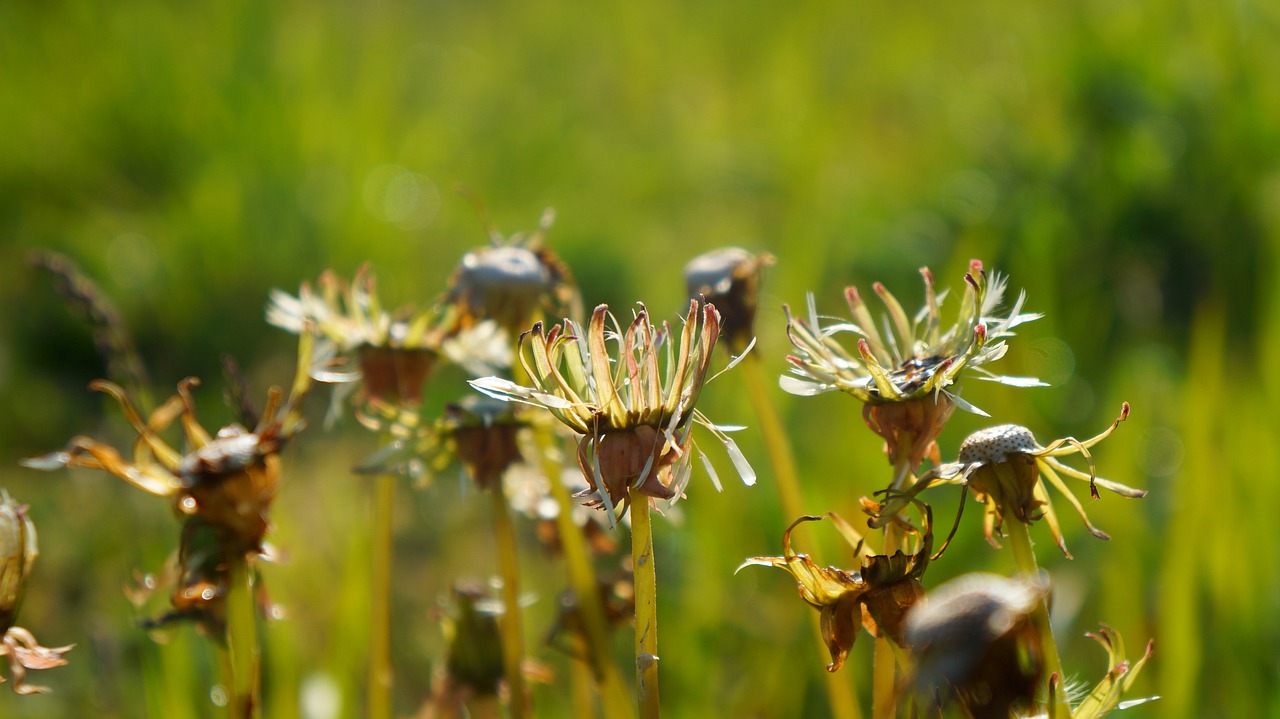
{"x":776,"y":442}
{"x":840,"y":692}
{"x":884,"y":702}
{"x":1025,"y":557}
{"x":242,"y":640}
{"x":511,"y":624}
{"x":380,"y":671}
{"x":582,"y":578}
{"x":646,"y":607}
{"x":583,"y":683}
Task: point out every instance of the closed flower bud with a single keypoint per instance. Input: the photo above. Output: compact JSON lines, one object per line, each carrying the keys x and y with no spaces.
{"x":17,"y":555}
{"x":729,"y":278}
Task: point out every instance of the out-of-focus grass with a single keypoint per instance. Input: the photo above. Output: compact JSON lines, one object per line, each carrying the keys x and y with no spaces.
{"x":1120,"y":161}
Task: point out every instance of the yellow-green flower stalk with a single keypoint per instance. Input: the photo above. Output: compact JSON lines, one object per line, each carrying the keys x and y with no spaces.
{"x":877,"y":596}
{"x":18,"y":552}
{"x":634,"y":413}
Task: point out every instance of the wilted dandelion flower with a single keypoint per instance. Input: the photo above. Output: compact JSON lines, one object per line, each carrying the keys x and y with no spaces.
{"x":877,"y":596}
{"x":480,"y":433}
{"x":395,"y":352}
{"x":18,"y":552}
{"x":1005,"y":468}
{"x":228,"y":479}
{"x":904,"y":365}
{"x":634,"y":412}
{"x":975,"y":642}
{"x":729,"y":278}
{"x":513,"y":280}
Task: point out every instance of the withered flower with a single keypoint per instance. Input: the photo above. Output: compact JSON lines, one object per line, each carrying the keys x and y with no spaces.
{"x":228,"y":479}
{"x":18,"y":552}
{"x":904,"y":367}
{"x":729,"y":278}
{"x":877,"y":596}
{"x":975,"y":642}
{"x":1005,"y":468}
{"x":479,"y":432}
{"x":634,"y":413}
{"x":394,"y":353}
{"x":513,"y":280}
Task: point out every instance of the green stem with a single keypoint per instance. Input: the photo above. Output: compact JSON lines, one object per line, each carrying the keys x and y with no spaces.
{"x":242,"y":641}
{"x":512,"y":627}
{"x":646,"y":607}
{"x":777,"y":444}
{"x":1024,"y":556}
{"x":582,"y":578}
{"x":840,"y":693}
{"x":380,"y":671}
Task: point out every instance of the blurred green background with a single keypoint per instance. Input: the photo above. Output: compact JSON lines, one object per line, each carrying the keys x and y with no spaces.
{"x":1121,"y":161}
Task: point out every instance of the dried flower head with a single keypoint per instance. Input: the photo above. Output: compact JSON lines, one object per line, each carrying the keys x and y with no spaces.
{"x":729,"y":278}
{"x":513,"y":280}
{"x":975,"y":642}
{"x":635,"y":412}
{"x":228,"y":479}
{"x":904,"y":366}
{"x":1005,"y":468}
{"x":18,"y":552}
{"x":396,"y":353}
{"x":877,"y":596}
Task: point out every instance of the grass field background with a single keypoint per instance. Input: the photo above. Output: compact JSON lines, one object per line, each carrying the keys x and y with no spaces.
{"x":1120,"y":161}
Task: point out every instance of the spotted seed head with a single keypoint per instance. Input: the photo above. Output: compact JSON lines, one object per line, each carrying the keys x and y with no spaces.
{"x":994,"y":444}
{"x":512,"y":281}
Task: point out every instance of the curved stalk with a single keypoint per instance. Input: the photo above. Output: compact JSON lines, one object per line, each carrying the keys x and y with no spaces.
{"x":840,"y":692}
{"x":646,"y":607}
{"x":1024,"y":556}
